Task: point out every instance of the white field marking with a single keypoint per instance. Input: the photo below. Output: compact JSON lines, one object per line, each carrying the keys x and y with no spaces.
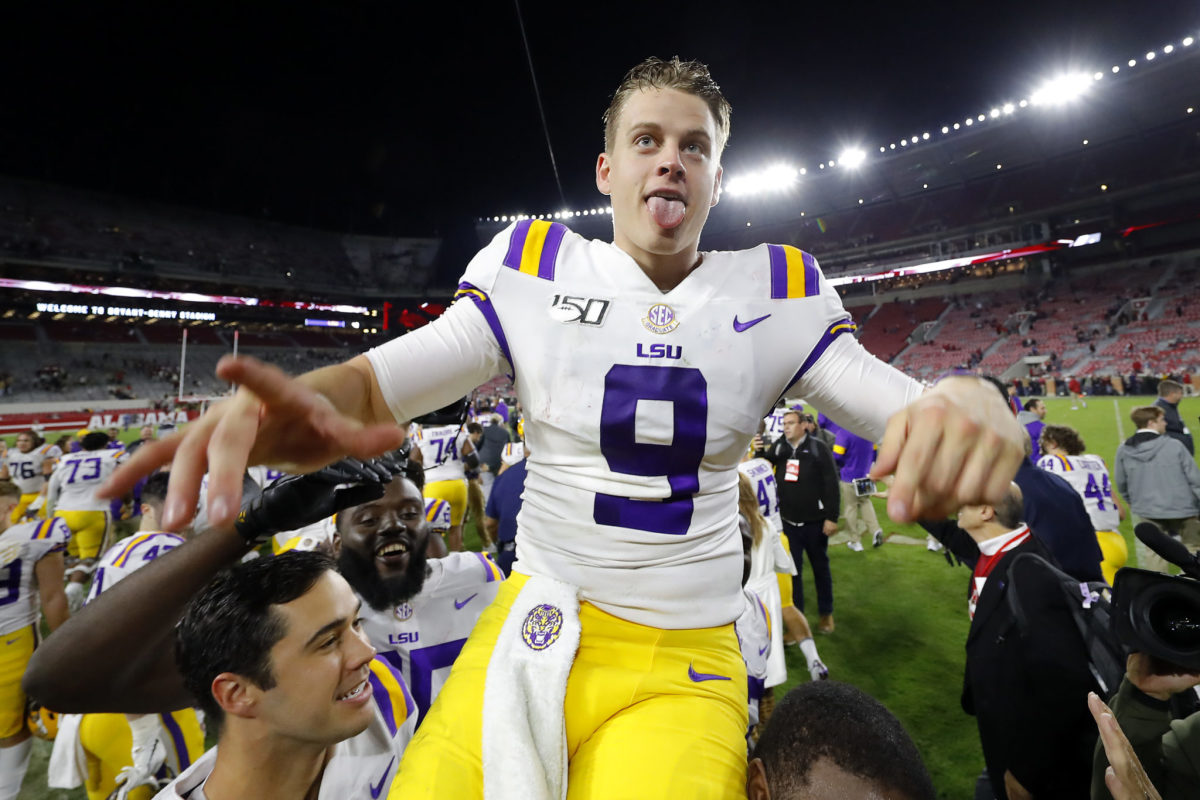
{"x":1120,"y":426}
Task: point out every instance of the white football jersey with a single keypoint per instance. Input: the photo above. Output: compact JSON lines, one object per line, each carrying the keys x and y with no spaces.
{"x":79,"y":475}
{"x":762,"y":478}
{"x":437,"y":514}
{"x":441,"y":448}
{"x":1088,"y":476}
{"x":25,"y":469}
{"x":424,"y":636}
{"x":773,"y":423}
{"x":753,"y":628}
{"x":361,"y":766}
{"x":21,"y":547}
{"x":128,"y":555}
{"x":638,"y":403}
{"x":513,"y":453}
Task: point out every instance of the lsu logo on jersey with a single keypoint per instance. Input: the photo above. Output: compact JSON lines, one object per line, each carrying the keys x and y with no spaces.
{"x":660,"y":318}
{"x":403,"y":611}
{"x":542,"y":626}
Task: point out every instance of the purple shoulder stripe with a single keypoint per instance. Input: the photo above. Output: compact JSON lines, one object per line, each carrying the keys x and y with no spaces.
{"x":832,"y":332}
{"x":489,"y":313}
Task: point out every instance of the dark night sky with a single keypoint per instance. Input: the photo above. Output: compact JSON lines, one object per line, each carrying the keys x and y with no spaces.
{"x":411,"y":119}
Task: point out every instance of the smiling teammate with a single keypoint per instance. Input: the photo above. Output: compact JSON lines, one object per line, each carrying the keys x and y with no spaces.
{"x":636,"y":421}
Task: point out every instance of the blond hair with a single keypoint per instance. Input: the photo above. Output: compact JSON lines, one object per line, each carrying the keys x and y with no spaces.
{"x":690,"y":77}
{"x":748,"y":507}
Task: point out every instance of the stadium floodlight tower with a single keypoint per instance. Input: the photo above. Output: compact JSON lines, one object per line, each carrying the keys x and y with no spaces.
{"x":852,"y":157}
{"x":776,"y":178}
{"x":1061,"y":89}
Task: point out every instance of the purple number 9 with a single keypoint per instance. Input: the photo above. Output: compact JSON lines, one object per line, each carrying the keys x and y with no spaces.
{"x":10,"y":584}
{"x":687,"y":391}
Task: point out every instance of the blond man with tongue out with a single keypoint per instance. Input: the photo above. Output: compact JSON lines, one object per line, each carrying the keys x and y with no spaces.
{"x":644,"y":367}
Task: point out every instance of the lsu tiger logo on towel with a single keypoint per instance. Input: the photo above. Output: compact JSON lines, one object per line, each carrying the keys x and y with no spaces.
{"x":543,"y":624}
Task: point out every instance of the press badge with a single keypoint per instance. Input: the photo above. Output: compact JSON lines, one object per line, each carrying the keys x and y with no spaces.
{"x":793,"y":470}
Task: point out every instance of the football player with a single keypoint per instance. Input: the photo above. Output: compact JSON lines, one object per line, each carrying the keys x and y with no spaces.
{"x":418,"y":611}
{"x":644,"y":367}
{"x":71,"y":495}
{"x":131,"y":749}
{"x":446,"y":451}
{"x":1063,"y":454}
{"x":28,"y":466}
{"x":31,"y":574}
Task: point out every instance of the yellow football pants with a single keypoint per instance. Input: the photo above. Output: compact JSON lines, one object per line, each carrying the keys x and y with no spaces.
{"x":1115,"y":552}
{"x":16,"y":649}
{"x":639,"y":724}
{"x":107,"y":741}
{"x":88,"y":529}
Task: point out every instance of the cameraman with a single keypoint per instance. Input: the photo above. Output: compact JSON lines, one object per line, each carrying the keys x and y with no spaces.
{"x":1169,"y":750}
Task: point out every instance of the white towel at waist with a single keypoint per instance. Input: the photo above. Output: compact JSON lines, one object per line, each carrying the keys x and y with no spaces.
{"x":68,"y":762}
{"x":524,"y":729}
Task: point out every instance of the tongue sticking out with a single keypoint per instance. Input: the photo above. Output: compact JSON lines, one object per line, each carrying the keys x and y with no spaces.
{"x":666,"y":212}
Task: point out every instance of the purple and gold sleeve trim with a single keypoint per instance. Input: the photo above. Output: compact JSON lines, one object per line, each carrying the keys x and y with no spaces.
{"x":533,"y":247}
{"x":390,"y":694}
{"x":490,"y":569}
{"x":832,"y":332}
{"x":484,"y":303}
{"x":794,"y":273}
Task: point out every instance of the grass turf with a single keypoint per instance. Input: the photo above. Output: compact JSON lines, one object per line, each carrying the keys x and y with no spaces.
{"x":901,"y":624}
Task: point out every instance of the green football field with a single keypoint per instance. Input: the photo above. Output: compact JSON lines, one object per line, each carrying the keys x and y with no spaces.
{"x":901,"y":616}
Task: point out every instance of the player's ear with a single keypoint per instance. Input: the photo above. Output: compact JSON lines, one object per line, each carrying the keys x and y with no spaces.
{"x":603,"y":168}
{"x":236,"y":695}
{"x":756,"y":781}
{"x":716,"y":193}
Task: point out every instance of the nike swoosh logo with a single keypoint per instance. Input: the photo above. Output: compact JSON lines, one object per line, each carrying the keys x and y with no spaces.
{"x":10,"y":641}
{"x":376,"y":789}
{"x":459,"y":605}
{"x":763,"y":650}
{"x":700,"y":677}
{"x":742,"y":326}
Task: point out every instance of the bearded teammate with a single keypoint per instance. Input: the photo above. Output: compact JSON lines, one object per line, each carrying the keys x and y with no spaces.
{"x":1088,"y":475}
{"x":417,"y":611}
{"x":28,"y":466}
{"x":31,"y":571}
{"x":655,"y":399}
{"x":445,"y":450}
{"x":121,"y":749}
{"x":71,"y":495}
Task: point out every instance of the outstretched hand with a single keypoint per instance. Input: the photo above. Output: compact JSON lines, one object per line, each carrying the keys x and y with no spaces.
{"x":272,"y":419}
{"x":1125,"y":776}
{"x":957,"y":444}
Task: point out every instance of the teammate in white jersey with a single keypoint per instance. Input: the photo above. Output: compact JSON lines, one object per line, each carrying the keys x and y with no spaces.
{"x":31,"y":574}
{"x":418,"y":612}
{"x":643,"y":368}
{"x":445,"y":452}
{"x":27,"y":466}
{"x":1063,"y":454}
{"x":71,"y":495}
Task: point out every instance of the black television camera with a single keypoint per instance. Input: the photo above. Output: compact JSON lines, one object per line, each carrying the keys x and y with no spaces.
{"x":1160,"y":614}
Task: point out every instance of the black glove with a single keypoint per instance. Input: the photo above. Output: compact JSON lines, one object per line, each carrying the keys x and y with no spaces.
{"x":294,"y":501}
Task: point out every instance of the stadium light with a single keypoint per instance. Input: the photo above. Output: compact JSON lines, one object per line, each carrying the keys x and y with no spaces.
{"x":1023,"y":103}
{"x":1061,"y":89}
{"x":945,"y":129}
{"x":853,"y":157}
{"x":970,"y":121}
{"x":925,"y":136}
{"x":1009,"y":108}
{"x":981,"y":118}
{"x":956,"y":126}
{"x":892,"y":146}
{"x":1133,"y":62}
{"x":1099,"y":76}
{"x":1188,"y":41}
{"x":1169,"y":49}
{"x":882,"y":149}
{"x":994,"y":113}
{"x":1115,"y":69}
{"x":1150,"y":56}
{"x":773,"y":179}
{"x":832,"y":163}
